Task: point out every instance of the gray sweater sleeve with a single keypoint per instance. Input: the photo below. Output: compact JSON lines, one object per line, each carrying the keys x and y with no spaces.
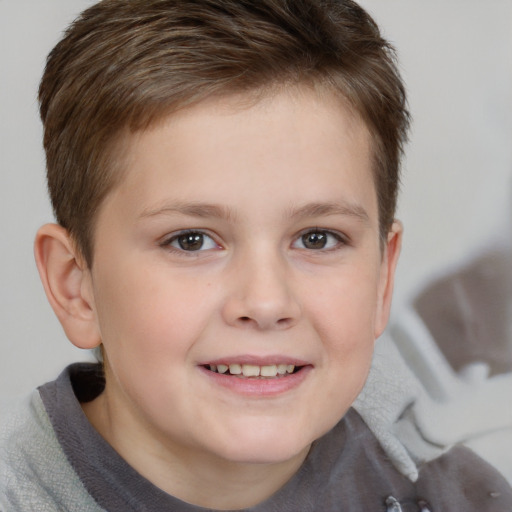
{"x":34,"y":471}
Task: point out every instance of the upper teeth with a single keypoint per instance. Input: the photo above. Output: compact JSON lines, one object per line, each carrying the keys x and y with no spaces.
{"x":251,"y":370}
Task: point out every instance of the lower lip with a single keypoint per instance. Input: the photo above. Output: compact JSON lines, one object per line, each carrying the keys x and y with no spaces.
{"x":256,"y":387}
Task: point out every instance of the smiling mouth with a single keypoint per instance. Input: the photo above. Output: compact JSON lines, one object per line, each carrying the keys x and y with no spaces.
{"x":247,"y":371}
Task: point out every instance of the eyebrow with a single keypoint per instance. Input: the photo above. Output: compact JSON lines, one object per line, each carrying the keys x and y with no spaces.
{"x":202,"y":210}
{"x":330,"y":208}
{"x":207,"y":210}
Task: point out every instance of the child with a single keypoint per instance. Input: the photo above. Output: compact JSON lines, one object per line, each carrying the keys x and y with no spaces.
{"x":224,"y":176}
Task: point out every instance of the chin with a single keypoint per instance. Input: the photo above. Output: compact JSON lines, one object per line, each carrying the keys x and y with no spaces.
{"x":266,"y":445}
{"x":264,"y":454}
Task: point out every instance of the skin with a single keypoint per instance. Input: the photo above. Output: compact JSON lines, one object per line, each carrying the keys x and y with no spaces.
{"x":258,"y":182}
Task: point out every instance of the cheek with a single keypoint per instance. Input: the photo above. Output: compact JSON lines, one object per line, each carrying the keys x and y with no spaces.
{"x":344,"y":317}
{"x":149,"y":312}
{"x":344,"y":308}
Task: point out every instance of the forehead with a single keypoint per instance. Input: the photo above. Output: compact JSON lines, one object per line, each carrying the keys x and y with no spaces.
{"x":297,"y":145}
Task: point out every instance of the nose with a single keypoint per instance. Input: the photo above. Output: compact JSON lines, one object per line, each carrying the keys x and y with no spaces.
{"x":261,"y":294}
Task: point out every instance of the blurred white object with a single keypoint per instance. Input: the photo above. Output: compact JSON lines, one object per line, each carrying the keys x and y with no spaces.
{"x":419,"y":407}
{"x":468,"y":407}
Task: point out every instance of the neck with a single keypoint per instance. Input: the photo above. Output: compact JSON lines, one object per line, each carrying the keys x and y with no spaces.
{"x":229,"y":485}
{"x":190,"y":475}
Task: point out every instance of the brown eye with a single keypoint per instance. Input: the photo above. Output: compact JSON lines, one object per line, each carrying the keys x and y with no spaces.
{"x":319,"y":240}
{"x":314,"y":240}
{"x":191,"y":241}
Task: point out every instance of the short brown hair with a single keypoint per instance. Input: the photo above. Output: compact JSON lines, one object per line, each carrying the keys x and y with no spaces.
{"x":123,"y":65}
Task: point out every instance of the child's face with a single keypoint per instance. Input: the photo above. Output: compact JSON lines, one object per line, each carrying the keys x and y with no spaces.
{"x":241,"y":236}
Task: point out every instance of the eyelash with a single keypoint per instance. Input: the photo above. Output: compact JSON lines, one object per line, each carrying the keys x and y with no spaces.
{"x":167,"y":243}
{"x":340,"y":240}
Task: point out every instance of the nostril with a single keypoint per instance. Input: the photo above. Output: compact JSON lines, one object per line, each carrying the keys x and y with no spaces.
{"x":263,"y":322}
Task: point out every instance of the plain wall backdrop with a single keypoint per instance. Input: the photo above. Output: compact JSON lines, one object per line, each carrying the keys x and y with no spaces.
{"x":456,"y":58}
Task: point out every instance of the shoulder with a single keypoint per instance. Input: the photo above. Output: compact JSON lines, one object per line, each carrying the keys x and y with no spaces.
{"x":34,"y":472}
{"x":461,"y":480}
{"x":455,"y":480}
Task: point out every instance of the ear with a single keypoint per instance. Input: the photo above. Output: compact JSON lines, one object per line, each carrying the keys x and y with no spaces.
{"x":390,"y":256}
{"x":68,"y":286}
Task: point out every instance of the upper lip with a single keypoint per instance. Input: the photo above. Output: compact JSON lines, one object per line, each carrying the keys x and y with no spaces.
{"x":267,"y":360}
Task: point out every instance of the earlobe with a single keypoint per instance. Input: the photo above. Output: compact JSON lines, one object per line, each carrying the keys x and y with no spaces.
{"x":66,"y":281}
{"x":388,"y":266}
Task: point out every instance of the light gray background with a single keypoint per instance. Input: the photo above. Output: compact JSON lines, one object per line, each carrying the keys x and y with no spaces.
{"x":456,"y":57}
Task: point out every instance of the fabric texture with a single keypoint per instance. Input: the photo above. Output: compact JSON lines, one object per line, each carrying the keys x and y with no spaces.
{"x":51,"y":458}
{"x":431,"y":408}
{"x":35,"y":474}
